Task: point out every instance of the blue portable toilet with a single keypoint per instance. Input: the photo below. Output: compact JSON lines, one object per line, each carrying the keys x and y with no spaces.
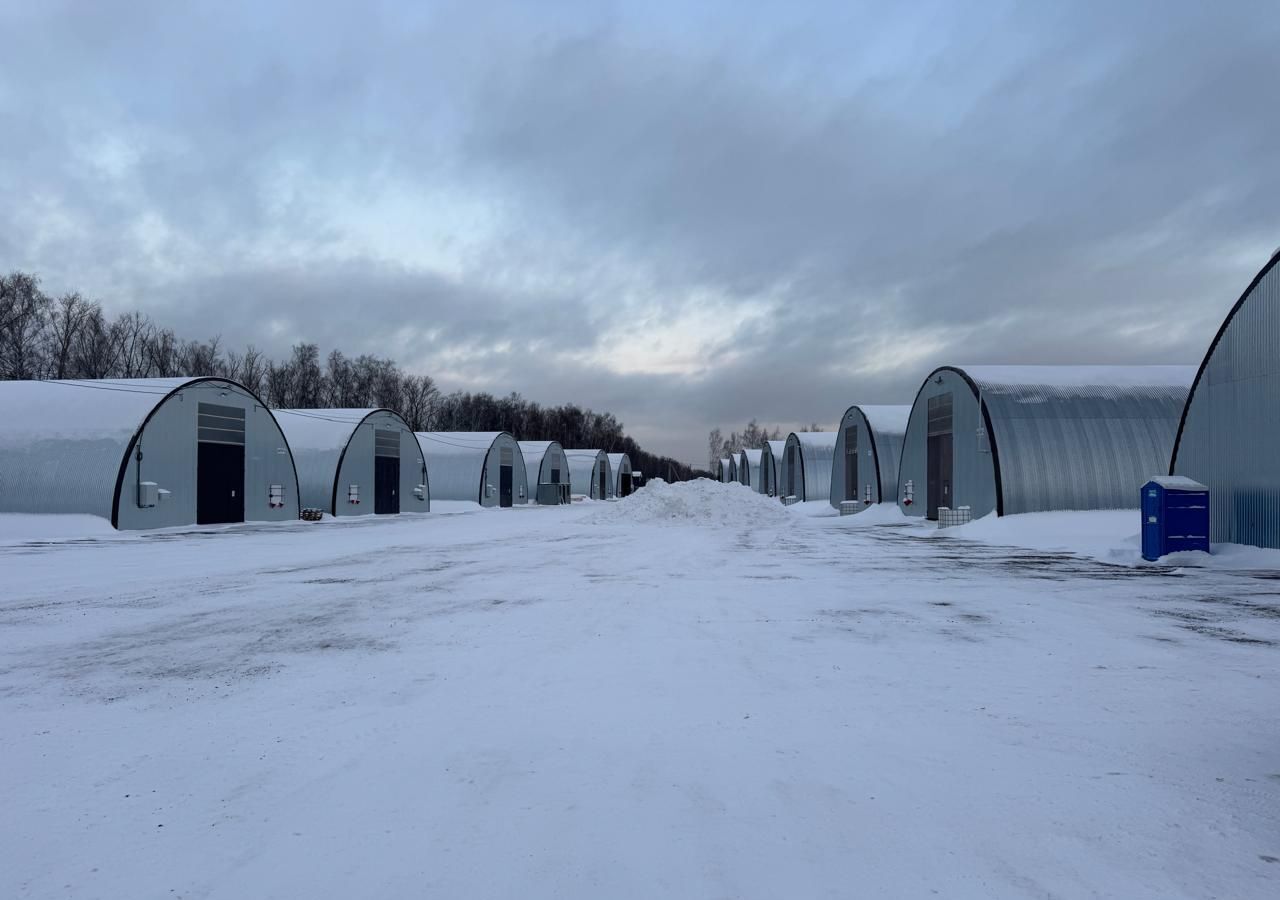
{"x":1175,"y":516}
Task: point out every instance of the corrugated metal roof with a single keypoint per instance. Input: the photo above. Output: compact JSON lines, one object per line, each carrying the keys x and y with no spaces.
{"x":456,"y":464}
{"x":749,"y":468}
{"x":539,"y":458}
{"x":319,"y":439}
{"x":619,"y":463}
{"x":583,"y":472}
{"x":887,"y":428}
{"x":1065,"y":437}
{"x":1229,"y":435}
{"x":816,"y":449}
{"x":63,"y":445}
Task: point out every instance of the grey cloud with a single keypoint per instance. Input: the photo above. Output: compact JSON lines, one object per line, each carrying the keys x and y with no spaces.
{"x":1031,"y":183}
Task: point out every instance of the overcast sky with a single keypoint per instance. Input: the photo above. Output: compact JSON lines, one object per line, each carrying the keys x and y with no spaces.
{"x":689,"y":218}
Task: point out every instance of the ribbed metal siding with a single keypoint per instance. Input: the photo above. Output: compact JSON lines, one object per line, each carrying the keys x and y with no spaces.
{"x":749,"y":469}
{"x":1230,"y":437}
{"x":814,"y":453}
{"x":1079,"y":448}
{"x":322,"y":439}
{"x":771,"y":460}
{"x":584,"y":472}
{"x":887,"y":434}
{"x":463,"y":464}
{"x":973,"y":474}
{"x":1058,"y":446}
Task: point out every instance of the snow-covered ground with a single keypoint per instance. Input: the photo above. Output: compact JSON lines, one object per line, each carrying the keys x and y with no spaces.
{"x":689,"y":693}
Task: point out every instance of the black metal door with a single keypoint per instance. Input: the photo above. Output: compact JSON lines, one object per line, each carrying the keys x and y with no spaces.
{"x":941,"y":461}
{"x":506,"y":482}
{"x":219,"y":483}
{"x":604,"y":485}
{"x":626,"y":484}
{"x":386,"y":486}
{"x":791,"y":471}
{"x":851,"y":463}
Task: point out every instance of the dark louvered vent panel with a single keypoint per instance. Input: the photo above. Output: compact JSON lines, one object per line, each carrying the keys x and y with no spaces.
{"x":220,"y":424}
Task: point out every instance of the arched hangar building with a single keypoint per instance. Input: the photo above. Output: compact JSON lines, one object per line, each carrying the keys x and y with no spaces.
{"x":590,"y":474}
{"x":485,"y":467}
{"x":620,"y":467}
{"x":354,"y":462}
{"x":771,"y":453}
{"x":728,"y":470}
{"x":144,"y":453}
{"x":544,"y":464}
{"x":1229,"y":435}
{"x":805,"y":472}
{"x":1016,"y":439}
{"x":749,"y":469}
{"x":864,"y":467}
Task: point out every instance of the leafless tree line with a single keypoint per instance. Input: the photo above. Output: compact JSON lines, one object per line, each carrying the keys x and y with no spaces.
{"x":44,"y":337}
{"x":750,"y":438}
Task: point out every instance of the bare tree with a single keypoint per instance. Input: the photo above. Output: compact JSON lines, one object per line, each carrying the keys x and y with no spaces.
{"x":23,"y":318}
{"x":131,"y":334}
{"x":66,"y":319}
{"x":95,"y":350}
{"x":418,"y":403}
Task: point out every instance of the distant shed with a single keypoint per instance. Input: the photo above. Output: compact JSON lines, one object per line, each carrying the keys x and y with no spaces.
{"x":728,"y":470}
{"x":864,"y":465}
{"x":1014,"y":439}
{"x":806,"y":465}
{"x":544,"y":463}
{"x":1229,"y":433}
{"x":590,"y":473}
{"x":749,"y":468}
{"x":144,"y":453}
{"x":771,"y":453}
{"x":485,"y":467}
{"x":620,"y":468}
{"x":354,"y":462}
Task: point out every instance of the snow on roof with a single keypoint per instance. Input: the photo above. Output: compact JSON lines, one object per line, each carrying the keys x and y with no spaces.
{"x":814,"y":438}
{"x":582,"y":466}
{"x":322,"y":429}
{"x":1080,"y":376}
{"x":887,"y":419}
{"x":615,"y":462}
{"x":457,"y":443}
{"x":1178,"y":482}
{"x":753,"y":456}
{"x":82,"y":409}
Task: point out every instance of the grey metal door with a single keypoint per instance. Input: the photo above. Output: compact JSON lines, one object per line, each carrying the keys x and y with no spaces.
{"x":219,"y":484}
{"x":791,"y":471}
{"x":941,"y":461}
{"x":506,"y":481}
{"x":386,"y":485}
{"x":851,"y":463}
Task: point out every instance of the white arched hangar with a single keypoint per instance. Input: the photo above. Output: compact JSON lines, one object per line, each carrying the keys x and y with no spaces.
{"x":545,"y":470}
{"x":484,"y":467}
{"x":620,"y":468}
{"x":806,"y":465}
{"x":590,"y":474}
{"x":864,"y":467}
{"x":354,"y":462}
{"x":749,"y":468}
{"x":1015,"y":439}
{"x":144,"y":453}
{"x":1229,"y":434}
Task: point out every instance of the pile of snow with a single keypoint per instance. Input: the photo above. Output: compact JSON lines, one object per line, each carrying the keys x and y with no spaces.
{"x":703,"y":502}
